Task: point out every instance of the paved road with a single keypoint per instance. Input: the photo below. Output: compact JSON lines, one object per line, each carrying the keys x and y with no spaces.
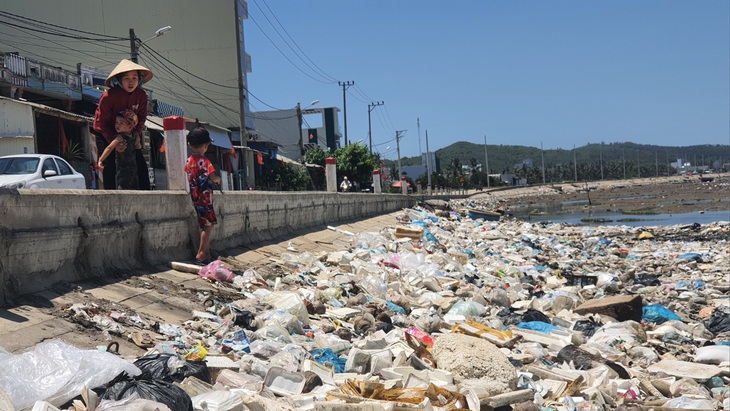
{"x":160,"y":293}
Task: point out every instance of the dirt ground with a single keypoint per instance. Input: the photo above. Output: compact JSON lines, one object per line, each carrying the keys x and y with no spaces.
{"x":666,"y":195}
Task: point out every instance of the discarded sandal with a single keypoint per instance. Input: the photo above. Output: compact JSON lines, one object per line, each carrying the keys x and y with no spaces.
{"x":142,"y":340}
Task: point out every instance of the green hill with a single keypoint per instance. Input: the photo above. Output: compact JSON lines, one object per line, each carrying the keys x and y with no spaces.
{"x":587,"y":163}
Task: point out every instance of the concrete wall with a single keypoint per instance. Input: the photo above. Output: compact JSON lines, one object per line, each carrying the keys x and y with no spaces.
{"x":47,"y":236}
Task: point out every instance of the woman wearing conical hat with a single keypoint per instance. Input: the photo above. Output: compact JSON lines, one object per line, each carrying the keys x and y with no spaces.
{"x":124,"y":92}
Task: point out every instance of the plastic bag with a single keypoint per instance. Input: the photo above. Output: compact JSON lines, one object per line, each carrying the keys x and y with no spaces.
{"x":217,"y":271}
{"x":658,"y":314}
{"x":290,"y":301}
{"x":537,"y":326}
{"x":468,"y":309}
{"x":719,"y":322}
{"x":131,"y":404}
{"x":588,"y":327}
{"x":56,"y":372}
{"x":170,"y":367}
{"x":165,"y":392}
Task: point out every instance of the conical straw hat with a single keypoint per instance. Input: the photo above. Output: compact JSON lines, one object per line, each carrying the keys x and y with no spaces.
{"x":127,"y":65}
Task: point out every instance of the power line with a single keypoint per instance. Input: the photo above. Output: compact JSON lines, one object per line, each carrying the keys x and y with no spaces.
{"x":18,"y":17}
{"x":331,"y":80}
{"x":203,"y":79}
{"x":282,"y":53}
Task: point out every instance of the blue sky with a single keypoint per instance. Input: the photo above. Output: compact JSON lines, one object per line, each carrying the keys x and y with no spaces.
{"x":522,"y":72}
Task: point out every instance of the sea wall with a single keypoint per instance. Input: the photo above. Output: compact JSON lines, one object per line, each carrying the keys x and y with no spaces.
{"x":47,"y":236}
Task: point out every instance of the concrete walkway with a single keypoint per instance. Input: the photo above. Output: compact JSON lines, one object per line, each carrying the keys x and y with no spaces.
{"x":160,"y":293}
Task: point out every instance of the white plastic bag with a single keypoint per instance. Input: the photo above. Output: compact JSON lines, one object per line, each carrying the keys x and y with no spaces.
{"x":56,"y":372}
{"x":131,"y":404}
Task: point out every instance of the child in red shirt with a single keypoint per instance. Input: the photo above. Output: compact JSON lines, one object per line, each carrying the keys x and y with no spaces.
{"x":201,"y":177}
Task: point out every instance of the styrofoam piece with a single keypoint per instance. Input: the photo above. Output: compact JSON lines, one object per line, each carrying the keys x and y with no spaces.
{"x":341,"y":377}
{"x":553,"y":340}
{"x":283,"y":382}
{"x":342,"y":313}
{"x":402,"y":372}
{"x":218,"y":363}
{"x":363,"y":406}
{"x":218,"y":400}
{"x":357,"y":361}
{"x":303,"y":401}
{"x":325,"y":373}
{"x":399,"y":347}
{"x":377,"y":363}
{"x":685,"y":369}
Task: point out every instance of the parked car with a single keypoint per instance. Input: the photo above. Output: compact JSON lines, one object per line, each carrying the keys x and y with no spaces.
{"x":38,"y":171}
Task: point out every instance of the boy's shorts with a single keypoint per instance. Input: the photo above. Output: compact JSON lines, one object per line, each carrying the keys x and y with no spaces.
{"x":206,"y":215}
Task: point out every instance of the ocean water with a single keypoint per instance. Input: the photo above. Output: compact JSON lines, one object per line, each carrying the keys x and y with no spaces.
{"x":615,"y":219}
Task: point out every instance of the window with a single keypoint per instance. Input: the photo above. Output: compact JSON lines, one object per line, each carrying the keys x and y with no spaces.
{"x":64,"y":167}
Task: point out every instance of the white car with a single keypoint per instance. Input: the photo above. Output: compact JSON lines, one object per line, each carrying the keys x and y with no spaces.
{"x":38,"y":171}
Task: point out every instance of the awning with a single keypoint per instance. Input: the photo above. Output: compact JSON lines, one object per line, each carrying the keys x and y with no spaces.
{"x":287,"y":160}
{"x":155,"y":123}
{"x":220,"y":138}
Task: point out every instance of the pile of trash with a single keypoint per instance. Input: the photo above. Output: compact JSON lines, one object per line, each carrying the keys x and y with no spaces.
{"x":437,"y":312}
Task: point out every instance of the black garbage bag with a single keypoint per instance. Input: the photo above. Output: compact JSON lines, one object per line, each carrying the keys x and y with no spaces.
{"x":123,"y":386}
{"x":157,"y":367}
{"x":719,"y":322}
{"x":534,"y":315}
{"x":527,"y":279}
{"x":245,"y":319}
{"x":509,"y":317}
{"x":588,"y":327}
{"x":583,"y":360}
{"x":647,"y":279}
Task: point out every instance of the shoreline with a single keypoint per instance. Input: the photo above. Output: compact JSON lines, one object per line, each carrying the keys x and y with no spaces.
{"x":645,"y":196}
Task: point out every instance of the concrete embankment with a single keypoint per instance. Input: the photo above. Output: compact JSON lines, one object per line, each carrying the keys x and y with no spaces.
{"x":47,"y":236}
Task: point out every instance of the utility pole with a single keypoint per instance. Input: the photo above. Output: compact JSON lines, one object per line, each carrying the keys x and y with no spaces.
{"x":428,"y":164}
{"x":542,"y":155}
{"x":132,"y":46}
{"x":486,"y":161}
{"x":299,"y":118}
{"x":656,"y":162}
{"x":345,"y":85}
{"x":600,"y":159}
{"x":418,"y":124}
{"x":638,"y":166}
{"x":575,"y":165}
{"x":397,"y":143}
{"x":623,"y":156}
{"x":371,"y":106}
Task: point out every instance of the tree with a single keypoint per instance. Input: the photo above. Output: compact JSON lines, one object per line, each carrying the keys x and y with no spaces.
{"x":316,"y":156}
{"x":356,"y":162}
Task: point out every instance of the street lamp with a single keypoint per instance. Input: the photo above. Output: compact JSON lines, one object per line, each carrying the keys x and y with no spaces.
{"x":299,"y":117}
{"x":134,"y":41}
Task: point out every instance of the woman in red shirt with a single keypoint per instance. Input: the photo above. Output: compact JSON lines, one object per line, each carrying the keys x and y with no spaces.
{"x":124,"y":92}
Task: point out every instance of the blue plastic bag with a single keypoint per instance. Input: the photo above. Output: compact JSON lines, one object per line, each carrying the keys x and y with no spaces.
{"x":323,"y":355}
{"x":395,"y":308}
{"x":658,"y":314}
{"x":537,"y":326}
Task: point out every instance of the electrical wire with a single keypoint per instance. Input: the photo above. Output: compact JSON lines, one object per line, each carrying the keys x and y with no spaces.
{"x":282,"y":53}
{"x":16,"y":17}
{"x":295,"y":43}
{"x":325,"y":76}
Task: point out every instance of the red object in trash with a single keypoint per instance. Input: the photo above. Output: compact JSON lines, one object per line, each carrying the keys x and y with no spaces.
{"x":413,"y":332}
